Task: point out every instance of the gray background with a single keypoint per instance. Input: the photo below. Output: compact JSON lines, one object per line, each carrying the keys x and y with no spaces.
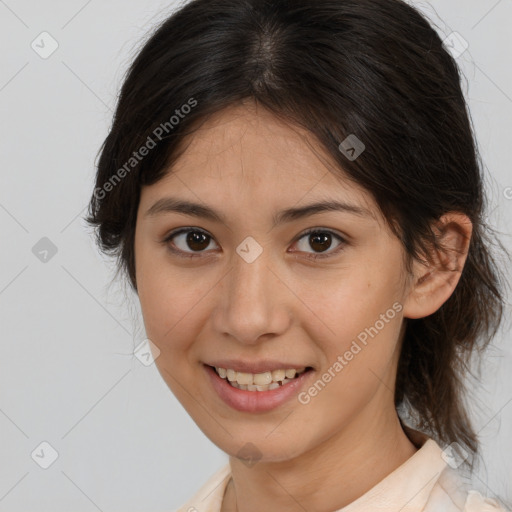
{"x":67,"y":371}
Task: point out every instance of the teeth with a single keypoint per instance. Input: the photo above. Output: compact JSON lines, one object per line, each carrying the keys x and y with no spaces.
{"x":278,"y":375}
{"x":244,"y":378}
{"x":261,"y":381}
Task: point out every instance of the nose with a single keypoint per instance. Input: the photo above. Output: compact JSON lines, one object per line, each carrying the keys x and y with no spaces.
{"x":253,"y":301}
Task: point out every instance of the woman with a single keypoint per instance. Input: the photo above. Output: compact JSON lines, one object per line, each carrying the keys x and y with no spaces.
{"x":293,"y":191}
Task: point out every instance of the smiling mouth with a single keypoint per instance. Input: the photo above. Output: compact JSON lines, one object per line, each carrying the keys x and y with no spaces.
{"x":265,"y":381}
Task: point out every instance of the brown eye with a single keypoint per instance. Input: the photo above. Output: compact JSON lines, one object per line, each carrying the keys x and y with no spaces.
{"x":197,"y":240}
{"x":188,"y":241}
{"x":320,"y":241}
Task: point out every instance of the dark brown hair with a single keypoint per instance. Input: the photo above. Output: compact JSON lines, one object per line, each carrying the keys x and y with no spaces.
{"x":373,"y":68}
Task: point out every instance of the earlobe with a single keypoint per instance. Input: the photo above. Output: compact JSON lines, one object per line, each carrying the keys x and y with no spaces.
{"x":433,"y":283}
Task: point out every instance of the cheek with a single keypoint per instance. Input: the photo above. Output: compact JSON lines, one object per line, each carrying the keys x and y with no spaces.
{"x":168,"y":305}
{"x":357,"y":357}
{"x":354,"y":299}
{"x":170,"y":312}
{"x":356,"y":316}
{"x":164,"y":298}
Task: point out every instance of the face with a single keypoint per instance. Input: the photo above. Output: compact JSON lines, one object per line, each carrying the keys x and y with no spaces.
{"x":247,"y":287}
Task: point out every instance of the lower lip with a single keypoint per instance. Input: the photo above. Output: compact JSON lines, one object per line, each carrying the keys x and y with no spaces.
{"x":255,"y":401}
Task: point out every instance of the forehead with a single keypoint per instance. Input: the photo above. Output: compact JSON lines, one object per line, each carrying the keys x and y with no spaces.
{"x":265,"y":144}
{"x":247,"y":148}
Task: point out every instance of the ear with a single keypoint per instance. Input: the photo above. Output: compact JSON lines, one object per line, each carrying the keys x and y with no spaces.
{"x":433,"y":283}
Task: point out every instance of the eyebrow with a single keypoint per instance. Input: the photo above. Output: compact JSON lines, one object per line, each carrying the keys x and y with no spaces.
{"x":171,"y":204}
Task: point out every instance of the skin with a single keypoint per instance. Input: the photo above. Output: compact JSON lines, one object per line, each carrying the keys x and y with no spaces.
{"x":248,"y":165}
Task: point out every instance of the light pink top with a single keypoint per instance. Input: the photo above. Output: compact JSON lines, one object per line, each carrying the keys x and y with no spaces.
{"x":423,"y":483}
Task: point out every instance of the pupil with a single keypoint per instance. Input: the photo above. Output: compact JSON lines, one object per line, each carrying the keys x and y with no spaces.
{"x":195,"y":237}
{"x":324,"y":237}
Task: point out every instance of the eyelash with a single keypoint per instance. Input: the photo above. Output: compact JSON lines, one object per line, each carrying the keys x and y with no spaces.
{"x":315,"y":256}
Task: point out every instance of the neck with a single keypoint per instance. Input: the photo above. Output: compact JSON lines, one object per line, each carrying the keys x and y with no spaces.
{"x":329,"y":477}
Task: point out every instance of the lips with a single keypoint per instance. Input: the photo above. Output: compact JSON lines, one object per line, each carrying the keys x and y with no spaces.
{"x":256,"y":401}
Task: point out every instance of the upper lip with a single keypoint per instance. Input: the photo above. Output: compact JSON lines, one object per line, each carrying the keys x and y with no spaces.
{"x":254,"y":366}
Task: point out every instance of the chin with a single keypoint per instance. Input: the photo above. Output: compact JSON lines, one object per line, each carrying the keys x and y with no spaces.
{"x":260,"y":449}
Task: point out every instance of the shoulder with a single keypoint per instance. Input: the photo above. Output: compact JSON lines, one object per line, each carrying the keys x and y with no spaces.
{"x":209,"y":497}
{"x":452,"y":494}
{"x":475,"y":502}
